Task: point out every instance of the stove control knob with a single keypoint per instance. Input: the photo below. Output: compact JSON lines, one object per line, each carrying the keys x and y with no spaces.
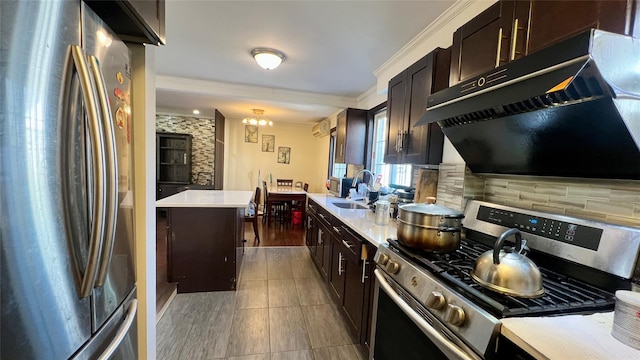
{"x":383,"y":259}
{"x":436,"y":301}
{"x":393,"y":267}
{"x":455,"y":315}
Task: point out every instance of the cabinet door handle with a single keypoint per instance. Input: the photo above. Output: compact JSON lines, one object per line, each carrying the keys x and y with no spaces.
{"x":184,"y":158}
{"x":515,"y":40}
{"x":364,"y":271}
{"x":319,"y":236}
{"x":340,"y":263}
{"x":345,"y":243}
{"x":499,"y":47}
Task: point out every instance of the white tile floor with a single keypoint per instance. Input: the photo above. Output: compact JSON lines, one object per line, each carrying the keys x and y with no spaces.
{"x":280,"y":311}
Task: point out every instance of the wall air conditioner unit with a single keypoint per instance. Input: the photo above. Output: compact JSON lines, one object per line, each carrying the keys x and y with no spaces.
{"x":321,"y":129}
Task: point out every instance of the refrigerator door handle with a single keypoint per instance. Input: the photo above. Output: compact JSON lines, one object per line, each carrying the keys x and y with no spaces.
{"x":98,"y":159}
{"x":112,"y":171}
{"x":122,"y":332}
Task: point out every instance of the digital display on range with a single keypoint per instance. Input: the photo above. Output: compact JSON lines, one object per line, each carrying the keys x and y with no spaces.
{"x":578,"y":235}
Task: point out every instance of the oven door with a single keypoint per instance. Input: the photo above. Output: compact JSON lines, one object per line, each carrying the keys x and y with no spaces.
{"x":401,"y":332}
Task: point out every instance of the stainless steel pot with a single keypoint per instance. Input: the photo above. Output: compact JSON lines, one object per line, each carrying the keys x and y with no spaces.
{"x":430,"y":214}
{"x":508,"y":272}
{"x":428,"y":238}
{"x":429,"y":227}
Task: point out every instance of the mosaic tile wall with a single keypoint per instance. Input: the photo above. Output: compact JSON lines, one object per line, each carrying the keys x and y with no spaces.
{"x":612,"y":201}
{"x":457,"y":185}
{"x":202,"y":144}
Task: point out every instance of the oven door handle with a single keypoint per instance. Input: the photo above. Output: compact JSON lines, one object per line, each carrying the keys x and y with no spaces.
{"x":451,"y":350}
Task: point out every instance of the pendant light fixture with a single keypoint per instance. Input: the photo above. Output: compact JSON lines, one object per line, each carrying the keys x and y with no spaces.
{"x":257,"y":118}
{"x":268,"y":59}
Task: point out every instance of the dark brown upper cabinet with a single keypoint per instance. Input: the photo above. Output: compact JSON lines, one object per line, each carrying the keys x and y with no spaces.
{"x":351,"y":136}
{"x":510,"y":29}
{"x":406,"y":102}
{"x":136,"y":21}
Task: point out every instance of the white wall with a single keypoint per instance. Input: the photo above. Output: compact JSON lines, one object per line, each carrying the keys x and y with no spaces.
{"x":309,"y":156}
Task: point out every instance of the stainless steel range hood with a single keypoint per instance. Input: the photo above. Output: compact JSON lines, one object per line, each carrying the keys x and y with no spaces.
{"x":572,"y":110}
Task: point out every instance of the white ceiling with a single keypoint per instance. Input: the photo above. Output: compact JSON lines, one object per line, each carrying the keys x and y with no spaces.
{"x":332,"y":50}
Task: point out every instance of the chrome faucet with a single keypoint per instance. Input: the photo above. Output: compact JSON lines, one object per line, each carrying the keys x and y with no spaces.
{"x":370,"y":184}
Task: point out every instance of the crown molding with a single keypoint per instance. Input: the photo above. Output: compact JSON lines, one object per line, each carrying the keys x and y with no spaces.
{"x":438,"y":33}
{"x":216,"y":88}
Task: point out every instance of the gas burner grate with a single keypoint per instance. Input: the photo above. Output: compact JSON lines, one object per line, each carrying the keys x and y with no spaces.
{"x":562,"y":294}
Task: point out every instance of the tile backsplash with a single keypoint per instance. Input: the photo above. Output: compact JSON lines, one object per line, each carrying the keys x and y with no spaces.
{"x":202,"y":144}
{"x":612,"y":201}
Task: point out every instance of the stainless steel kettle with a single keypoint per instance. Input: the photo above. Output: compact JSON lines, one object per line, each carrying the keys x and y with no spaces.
{"x":508,"y":272}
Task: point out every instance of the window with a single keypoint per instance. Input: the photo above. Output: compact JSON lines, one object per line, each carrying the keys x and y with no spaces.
{"x":391,"y":174}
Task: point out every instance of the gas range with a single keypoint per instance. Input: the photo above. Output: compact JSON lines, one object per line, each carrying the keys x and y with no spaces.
{"x":582,"y":263}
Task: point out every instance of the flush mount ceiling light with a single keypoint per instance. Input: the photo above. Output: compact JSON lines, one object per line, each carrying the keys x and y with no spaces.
{"x":268,"y":59}
{"x":257,"y":118}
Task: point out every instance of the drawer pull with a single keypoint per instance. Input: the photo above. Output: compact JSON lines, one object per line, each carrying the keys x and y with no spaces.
{"x":515,"y":40}
{"x":499,"y":47}
{"x":364,"y":271}
{"x":345,"y":243}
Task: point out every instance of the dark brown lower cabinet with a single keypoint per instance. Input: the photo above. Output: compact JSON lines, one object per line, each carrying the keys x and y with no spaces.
{"x":337,"y":272}
{"x":353,"y":302}
{"x":205,"y":248}
{"x":164,"y":190}
{"x":367,"y":268}
{"x":324,"y":249}
{"x":345,"y":261}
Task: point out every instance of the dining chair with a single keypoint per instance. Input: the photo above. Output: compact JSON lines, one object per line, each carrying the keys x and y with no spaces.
{"x":305,"y":187}
{"x":277,"y":211}
{"x":253,"y":217}
{"x":298,"y":184}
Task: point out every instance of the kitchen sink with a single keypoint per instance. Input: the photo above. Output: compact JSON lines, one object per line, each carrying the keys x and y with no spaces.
{"x":349,"y":205}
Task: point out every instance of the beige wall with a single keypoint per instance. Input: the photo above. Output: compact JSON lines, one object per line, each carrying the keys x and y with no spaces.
{"x":309,"y":156}
{"x":144,"y":177}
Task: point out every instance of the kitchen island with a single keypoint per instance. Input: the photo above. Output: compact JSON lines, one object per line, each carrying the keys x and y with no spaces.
{"x":205,"y":230}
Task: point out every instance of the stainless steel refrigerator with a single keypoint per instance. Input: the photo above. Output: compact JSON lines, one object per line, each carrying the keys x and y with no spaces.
{"x":66,"y":201}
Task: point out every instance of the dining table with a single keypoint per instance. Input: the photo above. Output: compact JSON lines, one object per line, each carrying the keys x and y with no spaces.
{"x":285,"y":194}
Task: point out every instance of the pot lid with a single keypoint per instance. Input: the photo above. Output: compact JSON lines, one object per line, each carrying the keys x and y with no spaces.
{"x":432,"y":209}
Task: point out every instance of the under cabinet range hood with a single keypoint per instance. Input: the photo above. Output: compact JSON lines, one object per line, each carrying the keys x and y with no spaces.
{"x":570,"y":110}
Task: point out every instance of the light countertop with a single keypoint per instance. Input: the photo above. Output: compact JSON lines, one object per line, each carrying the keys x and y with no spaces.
{"x":557,"y":337}
{"x":568,"y":337}
{"x":207,"y":199}
{"x":362,"y":221}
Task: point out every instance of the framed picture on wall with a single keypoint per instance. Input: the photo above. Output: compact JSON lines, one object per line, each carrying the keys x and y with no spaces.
{"x":268,"y":143}
{"x":284,"y":155}
{"x":251,"y":133}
